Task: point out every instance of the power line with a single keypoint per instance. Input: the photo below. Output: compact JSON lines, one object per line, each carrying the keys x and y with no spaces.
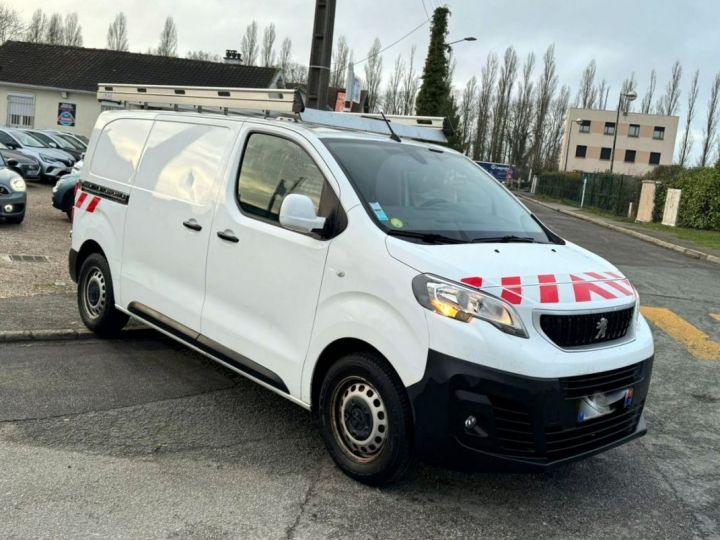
{"x":418,"y":27}
{"x":425,"y":8}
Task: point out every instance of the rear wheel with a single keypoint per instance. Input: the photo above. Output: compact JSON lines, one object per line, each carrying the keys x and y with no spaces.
{"x":365,"y":419}
{"x":96,"y":300}
{"x":68,"y":203}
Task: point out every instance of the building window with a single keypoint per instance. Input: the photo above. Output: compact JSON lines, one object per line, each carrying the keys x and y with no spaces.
{"x":629,"y":156}
{"x":580,"y":151}
{"x":609,"y":128}
{"x":21,"y":110}
{"x":634,"y":130}
{"x":605,"y":154}
{"x":659,"y":133}
{"x":585,"y":126}
{"x":654,"y":158}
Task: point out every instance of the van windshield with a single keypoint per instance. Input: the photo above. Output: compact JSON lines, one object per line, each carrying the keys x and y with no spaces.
{"x":431,"y":196}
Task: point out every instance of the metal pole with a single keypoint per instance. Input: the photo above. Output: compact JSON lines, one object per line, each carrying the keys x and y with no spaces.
{"x":617,"y":127}
{"x":582,"y":197}
{"x":321,"y":54}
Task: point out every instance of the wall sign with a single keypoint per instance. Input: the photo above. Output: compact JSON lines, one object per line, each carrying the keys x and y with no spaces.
{"x":66,"y":114}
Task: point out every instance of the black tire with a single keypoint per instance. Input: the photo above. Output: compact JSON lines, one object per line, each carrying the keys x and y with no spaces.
{"x":96,"y":300}
{"x":365,"y":419}
{"x":68,"y":203}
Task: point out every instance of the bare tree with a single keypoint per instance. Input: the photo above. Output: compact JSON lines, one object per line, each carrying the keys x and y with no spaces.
{"x":587,"y":93}
{"x":603,"y":92}
{"x":73,"y":30}
{"x":373,"y":75}
{"x":646,"y":104}
{"x":628,"y":85}
{"x":268,"y":44}
{"x":296,"y":73}
{"x":36,"y":29}
{"x":668,"y":104}
{"x":204,"y":56}
{"x":339,"y":63}
{"x":468,"y":114}
{"x":168,"y":39}
{"x":393,"y":100}
{"x":285,"y":55}
{"x":485,"y":101}
{"x":522,"y":111}
{"x":711,"y":121}
{"x":55,"y":30}
{"x":410,"y":86}
{"x":249,"y":44}
{"x":117,"y":34}
{"x":687,"y":140}
{"x":547,"y":85}
{"x":506,"y":81}
{"x":554,"y":136}
{"x":11,"y":27}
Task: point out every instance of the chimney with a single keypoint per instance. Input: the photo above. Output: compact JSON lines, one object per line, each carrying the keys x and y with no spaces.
{"x":232,"y":57}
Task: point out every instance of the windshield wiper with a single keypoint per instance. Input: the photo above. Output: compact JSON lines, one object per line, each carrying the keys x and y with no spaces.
{"x":429,"y":238}
{"x":510,"y":238}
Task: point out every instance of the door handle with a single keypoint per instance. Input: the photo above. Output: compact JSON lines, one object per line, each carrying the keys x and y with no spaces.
{"x":192,"y":224}
{"x":228,"y":235}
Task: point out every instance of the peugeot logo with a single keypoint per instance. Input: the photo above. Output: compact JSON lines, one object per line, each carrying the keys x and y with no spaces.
{"x":601,"y":328}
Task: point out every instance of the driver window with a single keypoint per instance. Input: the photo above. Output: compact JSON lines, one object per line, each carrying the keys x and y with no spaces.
{"x":271,"y":168}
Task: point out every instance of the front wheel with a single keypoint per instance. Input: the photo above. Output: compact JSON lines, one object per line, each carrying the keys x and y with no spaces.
{"x":365,"y":419}
{"x":96,"y":299}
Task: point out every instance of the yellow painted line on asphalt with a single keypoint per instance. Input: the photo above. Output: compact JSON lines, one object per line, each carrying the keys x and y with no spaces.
{"x":715,"y":316}
{"x":696,"y":341}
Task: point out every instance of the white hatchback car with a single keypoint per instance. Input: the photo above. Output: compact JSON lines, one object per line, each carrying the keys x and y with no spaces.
{"x":394,"y":289}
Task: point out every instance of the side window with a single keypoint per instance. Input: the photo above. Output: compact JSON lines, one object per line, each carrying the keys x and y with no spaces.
{"x":271,"y":168}
{"x":118,"y":149}
{"x":183,"y":161}
{"x":6,"y":139}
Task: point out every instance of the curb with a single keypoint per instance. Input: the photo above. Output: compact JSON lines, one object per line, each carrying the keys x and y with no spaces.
{"x":15,"y":336}
{"x":688,"y":252}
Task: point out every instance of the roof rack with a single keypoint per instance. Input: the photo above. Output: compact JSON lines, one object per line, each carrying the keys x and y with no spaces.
{"x":266,"y":101}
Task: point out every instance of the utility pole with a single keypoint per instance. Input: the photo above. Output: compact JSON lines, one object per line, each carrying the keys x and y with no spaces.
{"x":321,"y":54}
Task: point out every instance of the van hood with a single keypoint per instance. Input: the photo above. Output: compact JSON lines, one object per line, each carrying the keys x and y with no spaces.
{"x":558,"y":276}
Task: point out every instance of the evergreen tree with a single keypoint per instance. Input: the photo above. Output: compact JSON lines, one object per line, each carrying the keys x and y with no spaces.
{"x":435,"y":97}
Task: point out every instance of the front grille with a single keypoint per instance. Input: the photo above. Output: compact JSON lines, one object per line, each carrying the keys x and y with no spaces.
{"x":562,"y":443}
{"x":514,"y":428}
{"x":587,"y":329}
{"x":607,"y":381}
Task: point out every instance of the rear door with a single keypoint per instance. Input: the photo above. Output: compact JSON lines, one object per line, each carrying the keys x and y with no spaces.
{"x":169,"y":221}
{"x":264,"y":280}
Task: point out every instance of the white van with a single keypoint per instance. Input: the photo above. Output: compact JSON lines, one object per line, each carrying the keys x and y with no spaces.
{"x":394,"y":289}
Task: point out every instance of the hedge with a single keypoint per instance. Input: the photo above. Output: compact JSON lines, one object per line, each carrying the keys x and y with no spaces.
{"x":700,"y":199}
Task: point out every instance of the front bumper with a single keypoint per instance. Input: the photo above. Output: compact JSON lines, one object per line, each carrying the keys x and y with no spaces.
{"x":522,"y":423}
{"x":18,"y":202}
{"x":55,"y":171}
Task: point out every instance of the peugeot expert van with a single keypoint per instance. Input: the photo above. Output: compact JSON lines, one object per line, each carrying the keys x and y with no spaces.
{"x":392,"y":288}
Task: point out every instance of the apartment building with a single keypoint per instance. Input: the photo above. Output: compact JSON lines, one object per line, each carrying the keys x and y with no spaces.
{"x":644,"y":141}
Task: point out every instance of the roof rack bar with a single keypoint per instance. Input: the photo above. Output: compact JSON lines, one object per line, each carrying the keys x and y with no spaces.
{"x":268,"y":99}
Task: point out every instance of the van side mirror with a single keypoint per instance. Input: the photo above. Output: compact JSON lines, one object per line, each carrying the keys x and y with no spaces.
{"x":297,"y":213}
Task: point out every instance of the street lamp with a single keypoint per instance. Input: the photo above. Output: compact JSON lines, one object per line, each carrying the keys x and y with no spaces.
{"x":579,"y":122}
{"x":630,"y":95}
{"x":448,"y":45}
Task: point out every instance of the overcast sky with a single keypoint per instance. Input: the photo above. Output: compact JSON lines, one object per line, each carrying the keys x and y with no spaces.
{"x":623,"y":36}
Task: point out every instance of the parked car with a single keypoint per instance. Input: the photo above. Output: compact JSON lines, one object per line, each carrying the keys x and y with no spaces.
{"x":71,"y":138}
{"x":502,"y":172}
{"x":63,"y":193}
{"x":13,"y":195}
{"x":53,"y":141}
{"x":27,"y":166}
{"x":54,"y":162}
{"x":394,"y":289}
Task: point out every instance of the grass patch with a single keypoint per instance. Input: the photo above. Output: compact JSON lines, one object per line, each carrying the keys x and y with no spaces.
{"x":709,"y":239}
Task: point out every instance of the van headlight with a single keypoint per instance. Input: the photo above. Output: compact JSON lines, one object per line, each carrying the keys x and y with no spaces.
{"x":18,"y":184}
{"x":465,"y":304}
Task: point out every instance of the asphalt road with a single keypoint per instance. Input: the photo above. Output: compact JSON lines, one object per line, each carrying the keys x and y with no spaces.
{"x":145,"y":439}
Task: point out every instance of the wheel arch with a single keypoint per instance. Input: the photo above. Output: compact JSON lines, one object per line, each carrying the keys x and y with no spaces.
{"x":88,"y":248}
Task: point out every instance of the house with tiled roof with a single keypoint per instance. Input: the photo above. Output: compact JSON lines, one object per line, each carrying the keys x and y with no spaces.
{"x":55,"y":87}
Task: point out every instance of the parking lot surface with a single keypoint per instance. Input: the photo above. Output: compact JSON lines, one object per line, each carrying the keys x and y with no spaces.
{"x":142,"y":438}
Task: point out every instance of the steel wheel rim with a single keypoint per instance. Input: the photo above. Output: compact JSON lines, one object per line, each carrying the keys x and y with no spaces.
{"x":359,"y":419}
{"x":94,"y":293}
